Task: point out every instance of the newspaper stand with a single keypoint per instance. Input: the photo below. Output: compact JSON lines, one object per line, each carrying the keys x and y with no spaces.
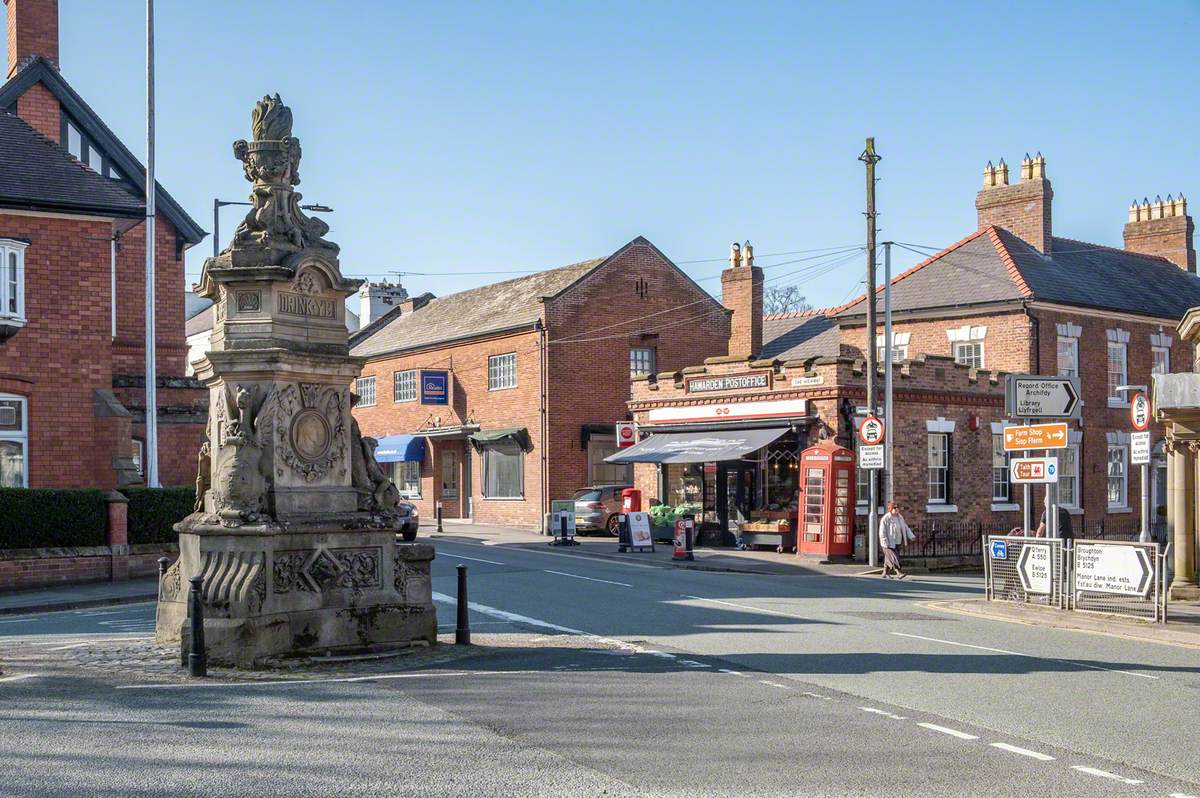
{"x":824,"y":523}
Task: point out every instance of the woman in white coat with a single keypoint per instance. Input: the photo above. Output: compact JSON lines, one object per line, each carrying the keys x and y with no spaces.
{"x":893,"y":533}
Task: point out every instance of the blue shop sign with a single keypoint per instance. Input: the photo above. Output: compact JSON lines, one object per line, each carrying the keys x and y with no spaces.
{"x":435,"y":387}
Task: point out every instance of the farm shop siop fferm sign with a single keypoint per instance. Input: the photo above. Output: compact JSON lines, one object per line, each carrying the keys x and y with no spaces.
{"x":732,"y":382}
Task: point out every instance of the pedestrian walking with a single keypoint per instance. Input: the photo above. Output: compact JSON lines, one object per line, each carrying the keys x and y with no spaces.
{"x":1064,"y":522}
{"x":894,"y":532}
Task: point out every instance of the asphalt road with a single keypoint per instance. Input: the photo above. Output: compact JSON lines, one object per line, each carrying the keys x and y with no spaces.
{"x":684,"y":683}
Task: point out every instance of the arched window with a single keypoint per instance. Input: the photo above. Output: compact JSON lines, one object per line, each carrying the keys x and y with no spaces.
{"x":14,"y":441}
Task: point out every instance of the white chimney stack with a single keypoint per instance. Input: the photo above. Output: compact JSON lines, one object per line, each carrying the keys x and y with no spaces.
{"x":377,"y":299}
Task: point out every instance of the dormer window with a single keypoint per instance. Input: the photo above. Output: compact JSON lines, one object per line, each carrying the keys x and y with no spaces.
{"x":12,"y":285}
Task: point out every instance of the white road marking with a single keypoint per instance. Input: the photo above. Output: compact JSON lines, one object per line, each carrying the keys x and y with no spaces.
{"x":731,"y":673}
{"x":748,"y":607}
{"x":474,"y":559}
{"x":691,"y":663}
{"x":381,"y":677}
{"x":72,"y":645}
{"x":1023,"y":752}
{"x":1180,"y":795}
{"x":1104,"y":774}
{"x":816,"y":695}
{"x":774,"y":684}
{"x":588,"y":578}
{"x":952,"y":732}
{"x":18,"y":677}
{"x":617,"y":563}
{"x":17,"y":620}
{"x":494,"y":612}
{"x":1019,"y":654}
{"x":883,"y":712}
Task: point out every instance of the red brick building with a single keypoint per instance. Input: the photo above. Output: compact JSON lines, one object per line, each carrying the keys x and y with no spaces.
{"x":1010,"y":297}
{"x":72,"y":239}
{"x":537,"y":371}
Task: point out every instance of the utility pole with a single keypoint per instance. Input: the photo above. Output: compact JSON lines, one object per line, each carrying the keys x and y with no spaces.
{"x":151,"y":453}
{"x":870,"y":159}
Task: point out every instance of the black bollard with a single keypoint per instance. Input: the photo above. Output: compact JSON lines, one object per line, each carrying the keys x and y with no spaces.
{"x":462,"y":632}
{"x":198,"y":659}
{"x":438,"y":513}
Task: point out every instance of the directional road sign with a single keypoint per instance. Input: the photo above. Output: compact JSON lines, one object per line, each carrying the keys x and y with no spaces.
{"x":1034,"y":471}
{"x":870,"y":457}
{"x":1139,"y":448}
{"x":1111,"y":568}
{"x":1035,"y":436}
{"x":1034,"y":564}
{"x":870,"y":431}
{"x":1139,"y":411}
{"x":999,"y":549}
{"x":1033,"y":396}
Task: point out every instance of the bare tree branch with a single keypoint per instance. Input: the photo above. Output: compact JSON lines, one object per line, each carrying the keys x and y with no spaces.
{"x":784,"y":299}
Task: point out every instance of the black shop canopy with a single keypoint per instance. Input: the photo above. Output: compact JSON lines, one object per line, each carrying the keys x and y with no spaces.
{"x":517,"y":435}
{"x":697,"y":447}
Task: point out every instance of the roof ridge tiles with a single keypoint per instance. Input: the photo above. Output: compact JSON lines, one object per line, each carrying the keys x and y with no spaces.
{"x":1010,"y":265}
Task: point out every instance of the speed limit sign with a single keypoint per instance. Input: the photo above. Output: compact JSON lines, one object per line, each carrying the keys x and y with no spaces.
{"x":870,"y":431}
{"x":1139,"y":411}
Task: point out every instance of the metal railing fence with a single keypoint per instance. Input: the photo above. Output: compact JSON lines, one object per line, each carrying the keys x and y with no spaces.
{"x":1043,"y":579}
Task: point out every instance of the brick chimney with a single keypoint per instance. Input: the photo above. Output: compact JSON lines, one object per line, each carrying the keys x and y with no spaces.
{"x":32,"y":30}
{"x":1024,"y":208}
{"x":742,"y":292}
{"x":1164,"y":228}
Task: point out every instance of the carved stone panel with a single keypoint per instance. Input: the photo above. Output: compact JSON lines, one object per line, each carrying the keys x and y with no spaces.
{"x":310,"y":431}
{"x":327,"y":569}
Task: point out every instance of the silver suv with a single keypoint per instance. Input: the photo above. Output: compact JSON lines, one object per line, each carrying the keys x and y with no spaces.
{"x":597,"y":507}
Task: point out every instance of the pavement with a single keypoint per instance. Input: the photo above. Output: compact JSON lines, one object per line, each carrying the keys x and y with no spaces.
{"x":616,"y":676}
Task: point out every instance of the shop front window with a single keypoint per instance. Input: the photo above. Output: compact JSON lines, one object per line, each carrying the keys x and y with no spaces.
{"x":407,"y":476}
{"x":503,"y":476}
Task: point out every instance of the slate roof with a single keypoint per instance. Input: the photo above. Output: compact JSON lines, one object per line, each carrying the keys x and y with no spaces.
{"x":39,"y":70}
{"x":201,"y":322}
{"x":37,"y":174}
{"x":799,"y":336}
{"x":490,"y":308}
{"x":994,"y":265}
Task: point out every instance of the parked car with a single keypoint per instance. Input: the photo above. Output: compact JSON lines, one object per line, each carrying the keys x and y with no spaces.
{"x":597,"y":507}
{"x":412,"y":520}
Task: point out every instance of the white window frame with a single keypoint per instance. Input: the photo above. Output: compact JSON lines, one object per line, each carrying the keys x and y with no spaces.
{"x":12,"y":251}
{"x":961,"y":345}
{"x":402,"y":472}
{"x":1117,"y":440}
{"x":502,"y":371}
{"x":407,"y":376}
{"x":360,"y":389}
{"x":1165,"y":351}
{"x":139,"y":456}
{"x":967,"y":335}
{"x":651,"y":357}
{"x":899,"y":346}
{"x":20,"y":436}
{"x":1073,"y":345}
{"x":1118,"y":341}
{"x":1074,"y":439}
{"x":941,"y":425}
{"x":1005,"y":503}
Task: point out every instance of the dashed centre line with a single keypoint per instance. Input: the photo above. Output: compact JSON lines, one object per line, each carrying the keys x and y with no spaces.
{"x":1022,"y":751}
{"x":1104,"y":774}
{"x":588,"y":578}
{"x":883,"y":712}
{"x":774,"y":684}
{"x":946,"y":730}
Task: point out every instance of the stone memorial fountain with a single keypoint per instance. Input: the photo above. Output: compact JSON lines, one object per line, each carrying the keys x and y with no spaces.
{"x":294,"y":530}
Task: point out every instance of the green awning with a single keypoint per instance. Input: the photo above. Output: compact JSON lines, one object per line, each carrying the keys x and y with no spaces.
{"x":518,"y":435}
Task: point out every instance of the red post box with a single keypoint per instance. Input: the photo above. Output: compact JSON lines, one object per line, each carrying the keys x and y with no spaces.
{"x":825,"y":524}
{"x":631,"y":500}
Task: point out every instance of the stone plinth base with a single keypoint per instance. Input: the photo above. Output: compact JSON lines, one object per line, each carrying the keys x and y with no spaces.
{"x":337,"y":584}
{"x":1184,"y":592}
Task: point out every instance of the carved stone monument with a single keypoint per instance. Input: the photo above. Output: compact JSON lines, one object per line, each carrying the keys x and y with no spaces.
{"x":295,"y":524}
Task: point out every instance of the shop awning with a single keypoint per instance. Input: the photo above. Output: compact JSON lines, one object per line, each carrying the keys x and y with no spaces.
{"x":697,"y":447}
{"x":398,"y":448}
{"x":518,"y":435}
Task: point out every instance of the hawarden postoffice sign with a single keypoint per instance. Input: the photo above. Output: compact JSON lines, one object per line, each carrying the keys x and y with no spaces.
{"x":733,"y":382}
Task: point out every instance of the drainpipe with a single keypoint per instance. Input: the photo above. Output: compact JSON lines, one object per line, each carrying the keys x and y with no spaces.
{"x":543,"y":422}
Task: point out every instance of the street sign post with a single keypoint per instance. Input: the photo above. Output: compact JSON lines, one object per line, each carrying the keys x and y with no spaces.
{"x":1110,"y":568}
{"x":870,"y":431}
{"x":1035,"y":436}
{"x":1034,"y":564}
{"x":626,"y":434}
{"x":1139,"y":411}
{"x":1035,"y":396}
{"x":871,"y":457}
{"x":1139,"y":448}
{"x":1034,"y":471}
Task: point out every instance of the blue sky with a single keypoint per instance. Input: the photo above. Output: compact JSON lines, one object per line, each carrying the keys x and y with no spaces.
{"x":453,"y":137}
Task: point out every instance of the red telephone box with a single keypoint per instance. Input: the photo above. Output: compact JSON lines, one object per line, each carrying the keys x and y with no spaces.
{"x":825,"y":524}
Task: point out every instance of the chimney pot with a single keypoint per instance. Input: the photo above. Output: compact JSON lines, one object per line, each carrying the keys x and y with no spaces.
{"x":1162,"y":228}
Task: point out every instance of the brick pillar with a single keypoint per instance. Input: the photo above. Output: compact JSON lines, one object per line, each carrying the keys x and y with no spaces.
{"x":118,"y":534}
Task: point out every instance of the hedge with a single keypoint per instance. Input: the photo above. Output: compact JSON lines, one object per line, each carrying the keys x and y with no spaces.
{"x":52,"y":518}
{"x":154,"y":511}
